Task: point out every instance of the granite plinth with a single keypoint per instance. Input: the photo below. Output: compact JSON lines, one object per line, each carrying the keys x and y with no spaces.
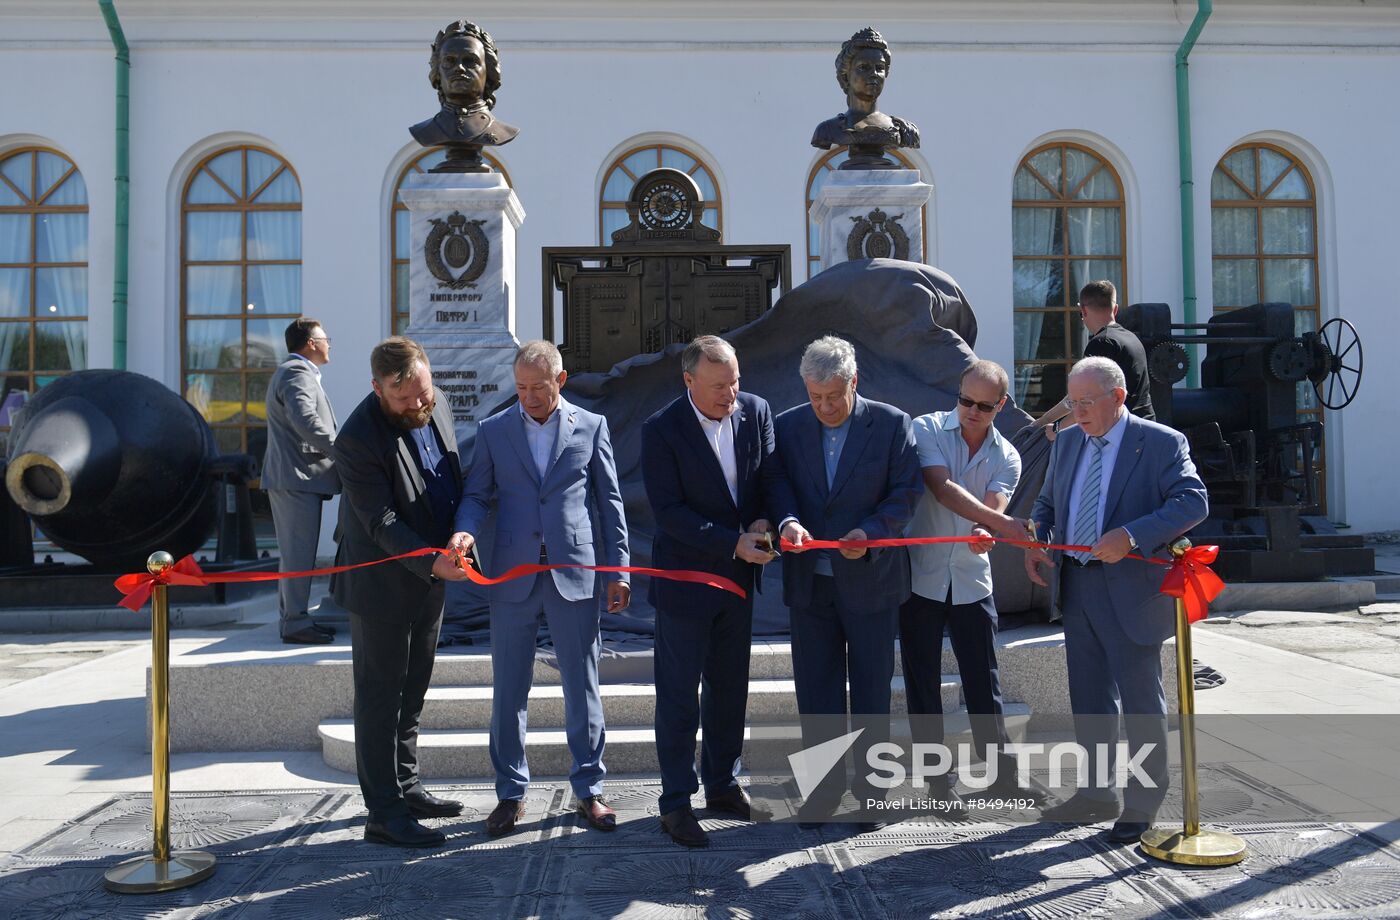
{"x":461,"y":288}
{"x":846,"y":204}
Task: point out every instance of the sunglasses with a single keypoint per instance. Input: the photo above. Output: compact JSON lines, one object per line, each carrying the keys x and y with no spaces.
{"x":969,"y":403}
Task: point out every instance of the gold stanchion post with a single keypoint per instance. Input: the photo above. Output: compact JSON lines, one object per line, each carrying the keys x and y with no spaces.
{"x":1191,"y":845}
{"x":162,"y":870}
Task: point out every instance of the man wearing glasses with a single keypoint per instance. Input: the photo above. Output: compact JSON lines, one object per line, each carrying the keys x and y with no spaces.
{"x":299,"y":472}
{"x":969,"y":473}
{"x":1098,"y":308}
{"x":1120,"y":485}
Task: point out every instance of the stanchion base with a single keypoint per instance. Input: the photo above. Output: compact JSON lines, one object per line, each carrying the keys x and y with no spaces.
{"x":145,"y":875}
{"x":1208,"y":848}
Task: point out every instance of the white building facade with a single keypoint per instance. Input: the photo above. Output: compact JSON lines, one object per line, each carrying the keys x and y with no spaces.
{"x":267,"y":140}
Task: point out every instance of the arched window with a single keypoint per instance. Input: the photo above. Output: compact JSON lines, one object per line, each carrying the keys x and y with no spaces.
{"x":399,"y":234}
{"x":626,"y":169}
{"x":1263,"y":243}
{"x":828,"y":163}
{"x":240,"y":285}
{"x":1067,"y":229}
{"x":43,"y":273}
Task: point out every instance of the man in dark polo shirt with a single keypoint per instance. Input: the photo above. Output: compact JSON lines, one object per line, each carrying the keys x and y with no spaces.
{"x":1098,"y":308}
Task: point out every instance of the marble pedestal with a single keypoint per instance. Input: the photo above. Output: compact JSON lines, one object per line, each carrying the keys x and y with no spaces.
{"x":871,"y":214}
{"x":461,"y":287}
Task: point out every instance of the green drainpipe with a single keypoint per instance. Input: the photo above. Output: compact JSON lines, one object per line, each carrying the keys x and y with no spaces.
{"x":1188,"y":209}
{"x":123,"y":138}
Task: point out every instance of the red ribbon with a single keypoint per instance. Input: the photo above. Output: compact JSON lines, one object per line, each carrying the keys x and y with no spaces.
{"x":1188,"y":577}
{"x":136,"y":588}
{"x":1191,"y":579}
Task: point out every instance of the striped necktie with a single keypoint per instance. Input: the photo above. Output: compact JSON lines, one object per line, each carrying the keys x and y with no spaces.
{"x":1086,"y":522}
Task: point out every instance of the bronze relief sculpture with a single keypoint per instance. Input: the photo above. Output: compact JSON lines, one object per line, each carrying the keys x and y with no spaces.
{"x":862,"y":66}
{"x":466,"y":72}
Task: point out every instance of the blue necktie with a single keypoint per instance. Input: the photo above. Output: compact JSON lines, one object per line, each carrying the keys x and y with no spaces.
{"x":1086,"y":523}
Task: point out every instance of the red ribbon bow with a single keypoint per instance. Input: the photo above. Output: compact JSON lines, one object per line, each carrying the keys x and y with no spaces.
{"x":137,"y":586}
{"x":1191,"y":579}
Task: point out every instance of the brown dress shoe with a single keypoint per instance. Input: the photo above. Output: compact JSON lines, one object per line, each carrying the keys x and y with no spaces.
{"x":502,"y":819}
{"x":597,"y":812}
{"x":683,"y":828}
{"x":737,"y":802}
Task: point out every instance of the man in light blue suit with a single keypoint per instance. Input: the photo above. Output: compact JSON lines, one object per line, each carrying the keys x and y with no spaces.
{"x":846,"y":468}
{"x":1119,"y":484}
{"x":543,"y":462}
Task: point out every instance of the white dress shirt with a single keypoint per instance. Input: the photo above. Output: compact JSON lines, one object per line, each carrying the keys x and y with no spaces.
{"x":540,"y":438}
{"x":720,"y":434}
{"x":1114,"y":436}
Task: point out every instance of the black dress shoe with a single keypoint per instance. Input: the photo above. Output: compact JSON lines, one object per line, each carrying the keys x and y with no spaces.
{"x":738,"y":802}
{"x":683,"y":828}
{"x":307,"y":635}
{"x":328,"y":630}
{"x":403,"y":831}
{"x":502,"y":819}
{"x":949,"y":805}
{"x":1081,"y":809}
{"x":1008,"y":788}
{"x":423,"y":804}
{"x":1128,"y":831}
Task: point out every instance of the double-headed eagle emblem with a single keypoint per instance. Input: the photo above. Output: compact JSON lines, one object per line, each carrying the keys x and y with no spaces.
{"x":458,"y":245}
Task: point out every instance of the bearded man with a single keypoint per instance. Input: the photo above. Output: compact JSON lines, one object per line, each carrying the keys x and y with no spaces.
{"x":401,"y":482}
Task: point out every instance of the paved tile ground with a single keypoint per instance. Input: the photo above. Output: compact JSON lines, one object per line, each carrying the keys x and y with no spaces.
{"x":297,"y":853}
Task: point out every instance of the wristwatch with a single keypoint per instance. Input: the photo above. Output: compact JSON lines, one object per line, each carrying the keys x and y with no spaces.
{"x":1132,"y":541}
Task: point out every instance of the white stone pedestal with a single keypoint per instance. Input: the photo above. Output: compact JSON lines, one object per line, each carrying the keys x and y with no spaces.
{"x":461,"y":286}
{"x":871,"y":213}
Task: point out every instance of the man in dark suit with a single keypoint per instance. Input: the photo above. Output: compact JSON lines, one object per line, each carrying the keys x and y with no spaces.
{"x":1098,"y":308}
{"x":298,"y":471}
{"x":1121,"y":485}
{"x":543,"y":465}
{"x":847,"y":469}
{"x":701,"y":461}
{"x":397,"y":456}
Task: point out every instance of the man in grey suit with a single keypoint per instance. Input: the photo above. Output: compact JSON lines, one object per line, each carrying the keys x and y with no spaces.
{"x":299,"y":471}
{"x":846,"y":468}
{"x":397,"y":456}
{"x":1119,"y":484}
{"x":542,"y":463}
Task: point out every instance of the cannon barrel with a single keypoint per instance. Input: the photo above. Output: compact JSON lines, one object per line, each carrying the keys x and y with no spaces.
{"x":113,"y":465}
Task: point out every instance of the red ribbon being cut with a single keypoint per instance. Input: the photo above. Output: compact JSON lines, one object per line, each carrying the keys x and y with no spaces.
{"x":1189,"y":577}
{"x":136,"y":588}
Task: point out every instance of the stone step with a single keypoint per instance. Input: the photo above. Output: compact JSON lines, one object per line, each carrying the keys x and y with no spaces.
{"x":464,"y":754}
{"x":242,"y":694}
{"x":631,"y":704}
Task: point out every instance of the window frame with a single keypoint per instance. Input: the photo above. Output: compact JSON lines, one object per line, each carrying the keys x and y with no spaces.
{"x":35,"y":209}
{"x":1073,"y":345}
{"x":243,"y":206}
{"x":1258,"y":200}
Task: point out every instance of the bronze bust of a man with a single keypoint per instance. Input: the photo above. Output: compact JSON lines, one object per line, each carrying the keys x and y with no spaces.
{"x":466,"y":72}
{"x":862,"y":67}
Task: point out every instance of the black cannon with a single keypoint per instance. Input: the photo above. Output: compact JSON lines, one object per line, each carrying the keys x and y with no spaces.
{"x":1256,"y":457}
{"x":112,"y":466}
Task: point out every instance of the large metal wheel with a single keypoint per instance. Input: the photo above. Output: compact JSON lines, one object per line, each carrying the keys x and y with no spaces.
{"x":1339,"y":378}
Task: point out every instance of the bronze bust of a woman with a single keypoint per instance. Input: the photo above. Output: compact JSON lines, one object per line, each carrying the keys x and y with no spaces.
{"x":466,"y":72}
{"x":862,"y":67}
